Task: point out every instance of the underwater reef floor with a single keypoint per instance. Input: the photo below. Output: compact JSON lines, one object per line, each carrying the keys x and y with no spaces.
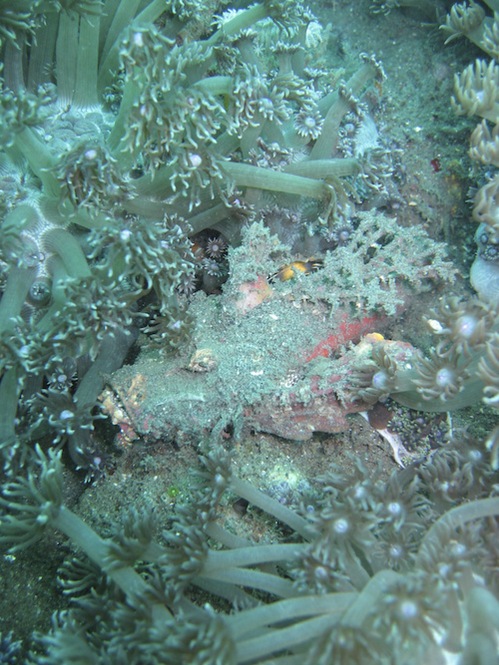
{"x":151,"y":464}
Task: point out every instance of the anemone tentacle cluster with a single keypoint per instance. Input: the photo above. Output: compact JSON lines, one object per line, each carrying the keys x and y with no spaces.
{"x":475,"y":93}
{"x":457,"y":371}
{"x":378,"y":571}
{"x":128,"y":128}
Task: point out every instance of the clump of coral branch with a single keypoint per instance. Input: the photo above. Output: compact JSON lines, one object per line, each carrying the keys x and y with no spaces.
{"x":401,"y":566}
